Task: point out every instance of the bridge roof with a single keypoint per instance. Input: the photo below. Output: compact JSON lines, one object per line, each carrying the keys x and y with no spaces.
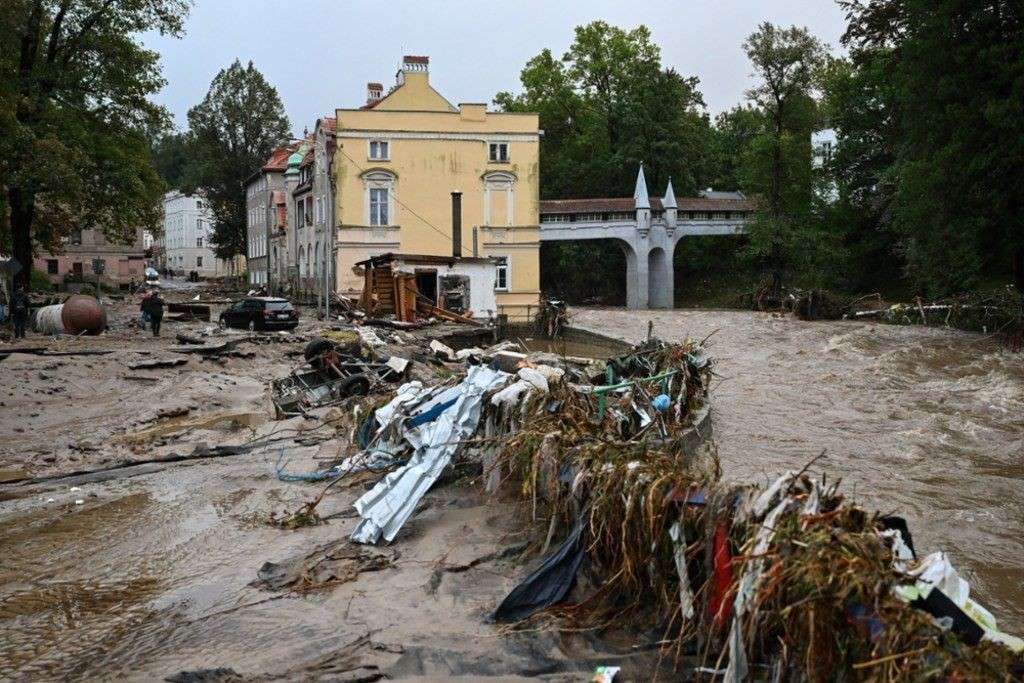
{"x":628,"y":204}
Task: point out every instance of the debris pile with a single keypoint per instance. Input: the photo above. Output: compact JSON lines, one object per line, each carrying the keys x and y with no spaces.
{"x":782,"y":582}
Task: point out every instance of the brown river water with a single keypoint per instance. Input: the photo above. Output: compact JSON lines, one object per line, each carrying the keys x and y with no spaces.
{"x":150,"y":574}
{"x":924,"y":423}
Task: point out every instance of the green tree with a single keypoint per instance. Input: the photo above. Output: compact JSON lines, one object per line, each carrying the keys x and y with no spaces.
{"x":957,"y":102}
{"x":233,"y":131}
{"x":733,"y":134}
{"x":171,"y":154}
{"x":786,"y":62}
{"x":75,"y":118}
{"x":608,"y":105}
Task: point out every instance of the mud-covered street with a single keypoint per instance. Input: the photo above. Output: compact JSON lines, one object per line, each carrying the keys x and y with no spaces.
{"x":132,"y":547}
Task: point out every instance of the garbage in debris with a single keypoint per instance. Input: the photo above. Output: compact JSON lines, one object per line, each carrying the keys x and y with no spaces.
{"x":328,"y":376}
{"x":417,"y":287}
{"x":789,"y":578}
{"x":437,"y":422}
{"x":605,"y":674}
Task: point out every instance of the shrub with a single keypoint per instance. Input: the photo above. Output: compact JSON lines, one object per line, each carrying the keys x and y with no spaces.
{"x":40,"y":281}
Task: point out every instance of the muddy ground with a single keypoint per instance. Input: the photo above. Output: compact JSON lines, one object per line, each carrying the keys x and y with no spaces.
{"x":113,"y":565}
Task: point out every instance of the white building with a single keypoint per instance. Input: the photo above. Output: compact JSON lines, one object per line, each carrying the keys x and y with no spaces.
{"x":188,"y":225}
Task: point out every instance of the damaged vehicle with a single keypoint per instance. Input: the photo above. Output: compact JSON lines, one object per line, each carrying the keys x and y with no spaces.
{"x":331,"y":373}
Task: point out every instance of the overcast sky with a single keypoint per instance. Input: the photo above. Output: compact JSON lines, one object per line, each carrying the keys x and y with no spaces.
{"x":319,"y":54}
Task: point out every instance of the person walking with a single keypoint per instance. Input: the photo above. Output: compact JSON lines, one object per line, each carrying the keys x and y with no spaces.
{"x":154,"y":308}
{"x":19,"y":311}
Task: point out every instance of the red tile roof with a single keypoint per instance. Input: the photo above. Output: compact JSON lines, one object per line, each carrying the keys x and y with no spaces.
{"x":624,"y":204}
{"x":278,"y":160}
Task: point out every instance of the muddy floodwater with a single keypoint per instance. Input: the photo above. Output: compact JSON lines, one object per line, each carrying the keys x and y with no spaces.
{"x":151,"y":571}
{"x":924,"y":423}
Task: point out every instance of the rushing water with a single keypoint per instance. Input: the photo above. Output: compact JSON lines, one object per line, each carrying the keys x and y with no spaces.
{"x":925,"y":423}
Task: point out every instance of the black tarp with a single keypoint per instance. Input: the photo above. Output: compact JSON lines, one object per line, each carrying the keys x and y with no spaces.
{"x":548,"y":584}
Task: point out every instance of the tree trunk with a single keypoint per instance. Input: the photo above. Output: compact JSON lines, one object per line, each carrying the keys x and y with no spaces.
{"x":23,"y":207}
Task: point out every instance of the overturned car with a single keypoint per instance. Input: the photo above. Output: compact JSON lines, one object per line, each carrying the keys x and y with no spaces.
{"x":331,"y":372}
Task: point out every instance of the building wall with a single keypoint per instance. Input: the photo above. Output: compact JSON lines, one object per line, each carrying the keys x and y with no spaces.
{"x":123,"y":263}
{"x":434,"y":151}
{"x":185,"y":222}
{"x":257,"y":219}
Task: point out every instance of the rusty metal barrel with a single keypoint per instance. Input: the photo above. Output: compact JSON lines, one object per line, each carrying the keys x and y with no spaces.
{"x":80,"y":314}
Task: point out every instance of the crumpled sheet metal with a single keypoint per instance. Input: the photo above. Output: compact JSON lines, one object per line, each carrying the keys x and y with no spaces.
{"x":388,"y":505}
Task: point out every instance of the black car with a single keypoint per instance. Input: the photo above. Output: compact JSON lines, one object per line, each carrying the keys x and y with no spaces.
{"x":261,"y":313}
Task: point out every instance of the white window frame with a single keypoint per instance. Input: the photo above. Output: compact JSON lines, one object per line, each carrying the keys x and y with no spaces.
{"x":379,"y":180}
{"x":494,"y":150}
{"x":379,"y":143}
{"x":502,"y":264}
{"x":555,"y":218}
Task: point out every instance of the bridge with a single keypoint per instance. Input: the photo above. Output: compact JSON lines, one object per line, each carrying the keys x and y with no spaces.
{"x":647,"y":230}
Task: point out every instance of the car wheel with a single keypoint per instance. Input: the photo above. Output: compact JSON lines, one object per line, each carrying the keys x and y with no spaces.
{"x":356,"y":385}
{"x":222,"y":323}
{"x":252,"y":325}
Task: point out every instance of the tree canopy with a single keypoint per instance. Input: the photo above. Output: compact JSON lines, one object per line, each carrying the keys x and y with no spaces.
{"x":607,"y":106}
{"x":76,"y":119}
{"x":233,"y":131}
{"x":937,"y":95}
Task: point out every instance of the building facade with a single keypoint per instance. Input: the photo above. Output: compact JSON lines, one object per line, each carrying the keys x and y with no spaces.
{"x":122,"y":264}
{"x":265,"y":219}
{"x":185,"y":244}
{"x":409,"y":165}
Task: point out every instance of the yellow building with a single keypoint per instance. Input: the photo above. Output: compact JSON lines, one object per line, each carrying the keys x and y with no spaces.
{"x":399,"y":159}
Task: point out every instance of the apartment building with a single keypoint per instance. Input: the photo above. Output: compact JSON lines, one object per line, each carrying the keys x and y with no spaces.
{"x":185,"y":244}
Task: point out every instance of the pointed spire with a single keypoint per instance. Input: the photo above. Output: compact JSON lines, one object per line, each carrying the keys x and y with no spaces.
{"x":669,"y":202}
{"x":640,"y":193}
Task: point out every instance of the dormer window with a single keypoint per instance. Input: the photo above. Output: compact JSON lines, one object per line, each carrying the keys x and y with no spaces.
{"x":379,"y":150}
{"x":498,"y":152}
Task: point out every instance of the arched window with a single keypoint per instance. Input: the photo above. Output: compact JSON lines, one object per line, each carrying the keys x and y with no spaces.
{"x":499,"y":198}
{"x":316,"y":261}
{"x":379,"y":199}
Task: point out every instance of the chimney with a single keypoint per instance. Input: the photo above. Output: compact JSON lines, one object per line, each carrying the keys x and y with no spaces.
{"x":456,"y":224}
{"x":412,"y":64}
{"x":415,"y":63}
{"x":374,"y":91}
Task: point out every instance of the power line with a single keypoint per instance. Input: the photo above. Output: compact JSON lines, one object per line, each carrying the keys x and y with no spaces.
{"x":391,"y":193}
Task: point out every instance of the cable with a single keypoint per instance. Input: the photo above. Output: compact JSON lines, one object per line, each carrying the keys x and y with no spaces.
{"x":391,"y":193}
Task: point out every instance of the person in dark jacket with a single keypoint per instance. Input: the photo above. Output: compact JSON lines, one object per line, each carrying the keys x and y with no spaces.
{"x":153,"y":305}
{"x":19,"y":311}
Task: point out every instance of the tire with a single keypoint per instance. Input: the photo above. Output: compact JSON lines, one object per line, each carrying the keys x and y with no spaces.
{"x":252,"y":325}
{"x":356,"y":385}
{"x":222,"y":323}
